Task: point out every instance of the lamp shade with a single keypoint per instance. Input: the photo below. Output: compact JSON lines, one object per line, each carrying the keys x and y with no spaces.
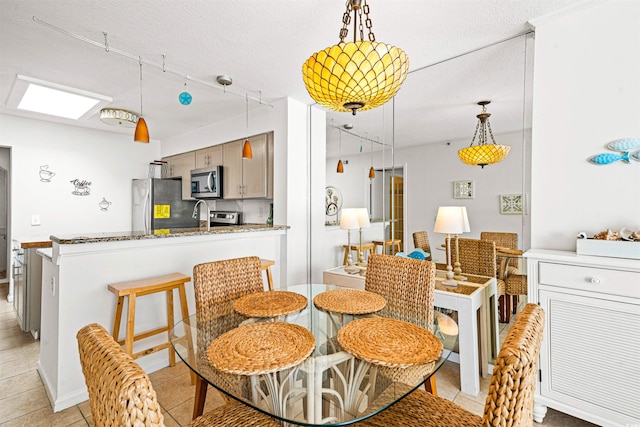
{"x":349,"y":219}
{"x":450,"y":220}
{"x":246,"y":150}
{"x":363,"y":217}
{"x":482,"y":155}
{"x":141,"y":133}
{"x":355,"y":76}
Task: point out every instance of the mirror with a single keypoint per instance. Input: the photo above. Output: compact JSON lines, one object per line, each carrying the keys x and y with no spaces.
{"x":420,"y":132}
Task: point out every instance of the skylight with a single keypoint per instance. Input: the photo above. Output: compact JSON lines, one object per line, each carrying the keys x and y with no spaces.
{"x":39,"y":96}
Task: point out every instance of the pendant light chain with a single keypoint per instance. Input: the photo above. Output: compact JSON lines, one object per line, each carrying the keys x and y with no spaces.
{"x":355,"y":7}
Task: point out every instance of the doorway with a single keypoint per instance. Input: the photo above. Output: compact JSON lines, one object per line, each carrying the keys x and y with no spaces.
{"x":4,"y":198}
{"x":387,"y":202}
{"x":396,"y":210}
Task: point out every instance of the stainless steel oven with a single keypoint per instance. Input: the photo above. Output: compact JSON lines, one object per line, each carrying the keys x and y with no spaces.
{"x":225,"y":218}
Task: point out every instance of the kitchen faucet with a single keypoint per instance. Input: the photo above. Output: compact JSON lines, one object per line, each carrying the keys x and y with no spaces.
{"x":195,"y":213}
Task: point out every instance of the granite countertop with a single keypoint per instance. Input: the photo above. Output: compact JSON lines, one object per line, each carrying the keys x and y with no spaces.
{"x":161,"y":234}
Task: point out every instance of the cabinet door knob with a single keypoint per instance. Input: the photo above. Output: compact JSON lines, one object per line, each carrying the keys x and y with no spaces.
{"x":595,"y":280}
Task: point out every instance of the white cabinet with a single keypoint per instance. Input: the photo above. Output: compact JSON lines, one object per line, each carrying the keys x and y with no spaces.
{"x":209,"y":157}
{"x":246,"y":178}
{"x":590,"y":355}
{"x":180,"y":166}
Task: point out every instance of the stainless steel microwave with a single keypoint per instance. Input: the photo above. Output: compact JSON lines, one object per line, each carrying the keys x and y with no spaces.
{"x":206,"y":183}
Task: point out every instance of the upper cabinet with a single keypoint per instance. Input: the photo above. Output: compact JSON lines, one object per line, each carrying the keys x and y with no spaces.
{"x":248,"y":178}
{"x":209,"y":157}
{"x":180,"y":166}
{"x":241,"y":178}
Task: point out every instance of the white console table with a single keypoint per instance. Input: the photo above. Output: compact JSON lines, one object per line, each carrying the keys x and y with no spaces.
{"x":475,"y":296}
{"x":590,"y":355}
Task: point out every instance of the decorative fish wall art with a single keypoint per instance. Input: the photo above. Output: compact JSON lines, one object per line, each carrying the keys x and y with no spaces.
{"x":627,"y":148}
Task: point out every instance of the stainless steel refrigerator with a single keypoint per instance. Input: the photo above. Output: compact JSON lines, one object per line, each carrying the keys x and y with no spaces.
{"x":158,"y":205}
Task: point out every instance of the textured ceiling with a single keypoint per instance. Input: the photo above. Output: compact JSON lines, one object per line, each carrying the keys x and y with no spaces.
{"x":262,"y":46}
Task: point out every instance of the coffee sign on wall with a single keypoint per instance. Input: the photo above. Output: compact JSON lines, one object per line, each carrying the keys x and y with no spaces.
{"x":81,"y":187}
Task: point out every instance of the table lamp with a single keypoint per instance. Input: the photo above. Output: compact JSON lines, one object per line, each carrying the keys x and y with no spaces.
{"x":457,"y":271}
{"x":363,"y":222}
{"x":450,"y":221}
{"x":349,"y":221}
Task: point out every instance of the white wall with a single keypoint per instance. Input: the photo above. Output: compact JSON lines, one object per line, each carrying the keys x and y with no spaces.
{"x":288,"y":121}
{"x":430,"y":172}
{"x":586,"y":94}
{"x":106,"y":159}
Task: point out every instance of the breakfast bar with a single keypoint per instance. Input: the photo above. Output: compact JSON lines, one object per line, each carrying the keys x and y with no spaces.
{"x":78,"y":269}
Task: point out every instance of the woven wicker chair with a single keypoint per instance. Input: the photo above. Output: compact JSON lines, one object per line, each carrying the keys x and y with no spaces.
{"x":479,"y":257}
{"x":515,"y":282}
{"x":510,"y":398}
{"x":421,"y":241}
{"x":216,"y":286}
{"x":408,"y":285}
{"x":120,"y":392}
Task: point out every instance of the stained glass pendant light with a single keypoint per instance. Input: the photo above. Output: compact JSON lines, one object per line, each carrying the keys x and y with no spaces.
{"x":141,"y":133}
{"x":483,"y":153}
{"x":359,"y":75}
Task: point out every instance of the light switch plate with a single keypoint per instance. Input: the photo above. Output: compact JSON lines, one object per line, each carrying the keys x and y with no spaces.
{"x":35,"y":220}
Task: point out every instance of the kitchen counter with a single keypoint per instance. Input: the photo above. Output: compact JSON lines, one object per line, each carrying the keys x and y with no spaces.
{"x":78,"y":269}
{"x":160,"y":234}
{"x":30,"y":245}
{"x":32,"y":242}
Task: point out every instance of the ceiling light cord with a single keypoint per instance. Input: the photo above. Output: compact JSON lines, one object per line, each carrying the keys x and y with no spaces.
{"x":141,"y":113}
{"x":162,"y":67}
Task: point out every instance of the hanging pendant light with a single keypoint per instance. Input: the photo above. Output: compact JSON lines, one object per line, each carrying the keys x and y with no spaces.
{"x":484,"y":153}
{"x":372,"y":172}
{"x":359,"y":75}
{"x":141,"y":133}
{"x":340,"y":168}
{"x":246,"y":148}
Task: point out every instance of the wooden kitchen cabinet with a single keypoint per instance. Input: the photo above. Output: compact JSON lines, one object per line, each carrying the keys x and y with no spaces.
{"x":246,"y":178}
{"x":180,"y":166}
{"x":209,"y":157}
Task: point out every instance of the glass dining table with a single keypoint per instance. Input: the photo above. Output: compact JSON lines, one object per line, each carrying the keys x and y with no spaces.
{"x":338,"y":365}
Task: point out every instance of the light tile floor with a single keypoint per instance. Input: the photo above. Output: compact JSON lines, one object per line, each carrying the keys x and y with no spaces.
{"x":23,"y":400}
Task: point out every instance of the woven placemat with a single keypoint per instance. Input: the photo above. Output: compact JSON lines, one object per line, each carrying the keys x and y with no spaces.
{"x":389,"y":342}
{"x":350,"y":301}
{"x":261,"y":348}
{"x":270,"y":303}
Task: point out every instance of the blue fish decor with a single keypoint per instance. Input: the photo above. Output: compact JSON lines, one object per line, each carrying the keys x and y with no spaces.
{"x":627,"y":144}
{"x":623,"y":147}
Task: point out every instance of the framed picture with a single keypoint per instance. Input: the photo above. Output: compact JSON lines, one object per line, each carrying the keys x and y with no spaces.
{"x":511,"y":204}
{"x":463,"y":190}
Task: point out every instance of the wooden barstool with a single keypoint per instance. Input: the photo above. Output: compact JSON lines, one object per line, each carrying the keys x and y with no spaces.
{"x":393,"y":245}
{"x":366,"y":246}
{"x":265,"y":265}
{"x":136,"y":288}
